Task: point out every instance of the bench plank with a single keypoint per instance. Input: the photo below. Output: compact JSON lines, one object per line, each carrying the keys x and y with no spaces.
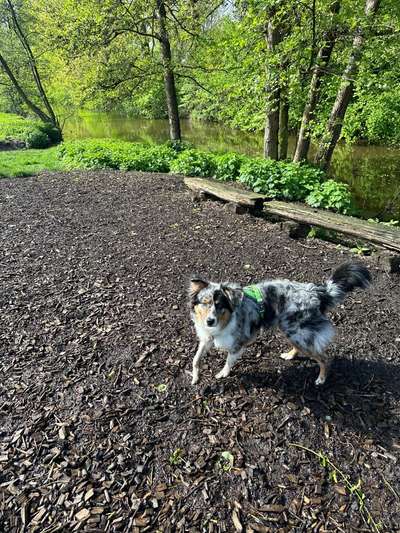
{"x":225,"y":192}
{"x":369,"y":231}
{"x":380,"y":234}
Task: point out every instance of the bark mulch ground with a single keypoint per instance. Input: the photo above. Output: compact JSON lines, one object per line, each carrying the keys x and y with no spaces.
{"x":100,"y":429}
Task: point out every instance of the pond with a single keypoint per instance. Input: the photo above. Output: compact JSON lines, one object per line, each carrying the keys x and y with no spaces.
{"x":373,"y":172}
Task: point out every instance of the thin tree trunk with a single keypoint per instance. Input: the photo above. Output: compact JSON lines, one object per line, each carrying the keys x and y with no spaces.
{"x":344,"y":95}
{"x":283,"y":127}
{"x":169,"y":79}
{"x":272,"y":89}
{"x":323,"y":58}
{"x":32,"y":63}
{"x":33,"y":107}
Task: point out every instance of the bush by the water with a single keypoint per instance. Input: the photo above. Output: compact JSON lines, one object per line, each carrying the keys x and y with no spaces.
{"x":194,"y":163}
{"x":228,"y":166}
{"x":33,"y":133}
{"x":331,"y":195}
{"x":278,"y":179}
{"x":123,"y":155}
{"x":275,"y":179}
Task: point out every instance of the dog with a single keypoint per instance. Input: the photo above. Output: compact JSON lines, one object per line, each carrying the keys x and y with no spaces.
{"x":230,"y":317}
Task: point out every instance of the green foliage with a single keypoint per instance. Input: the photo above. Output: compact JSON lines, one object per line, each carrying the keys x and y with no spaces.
{"x":106,"y":153}
{"x":28,"y":162}
{"x":36,"y":138}
{"x":228,"y":166}
{"x":33,"y":133}
{"x":262,"y":175}
{"x":331,"y":195}
{"x":278,"y":179}
{"x":194,"y":163}
{"x":179,"y":146}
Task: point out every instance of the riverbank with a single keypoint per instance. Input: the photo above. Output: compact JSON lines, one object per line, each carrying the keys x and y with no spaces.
{"x":100,"y":423}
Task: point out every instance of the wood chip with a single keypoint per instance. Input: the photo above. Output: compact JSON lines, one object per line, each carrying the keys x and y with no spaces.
{"x":82,"y":515}
{"x":236,"y":521}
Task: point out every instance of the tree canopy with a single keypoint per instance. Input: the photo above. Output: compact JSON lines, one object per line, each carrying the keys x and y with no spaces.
{"x":250,"y":64}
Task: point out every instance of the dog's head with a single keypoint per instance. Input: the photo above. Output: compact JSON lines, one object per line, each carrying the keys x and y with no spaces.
{"x":212,"y":304}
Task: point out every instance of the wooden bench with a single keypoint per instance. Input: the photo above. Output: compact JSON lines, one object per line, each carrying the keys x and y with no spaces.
{"x":379,"y":234}
{"x":202,"y":187}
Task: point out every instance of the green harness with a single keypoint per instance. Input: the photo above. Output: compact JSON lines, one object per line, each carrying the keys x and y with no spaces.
{"x":255,"y":293}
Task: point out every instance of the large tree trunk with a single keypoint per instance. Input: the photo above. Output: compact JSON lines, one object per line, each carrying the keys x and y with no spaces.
{"x":344,"y":95}
{"x":283,"y":127}
{"x":323,"y":58}
{"x":169,"y":79}
{"x":272,"y":90}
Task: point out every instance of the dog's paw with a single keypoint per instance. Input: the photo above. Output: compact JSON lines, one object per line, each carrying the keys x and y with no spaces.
{"x":287,"y":356}
{"x":223,"y":374}
{"x":320,"y":381}
{"x":195,"y":379}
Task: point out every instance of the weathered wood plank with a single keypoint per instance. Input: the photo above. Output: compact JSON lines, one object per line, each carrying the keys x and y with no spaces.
{"x":362,"y":229}
{"x":377,"y":233}
{"x":225,"y":192}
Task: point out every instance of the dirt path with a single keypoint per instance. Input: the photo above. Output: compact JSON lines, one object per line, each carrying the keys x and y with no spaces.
{"x":100,"y":429}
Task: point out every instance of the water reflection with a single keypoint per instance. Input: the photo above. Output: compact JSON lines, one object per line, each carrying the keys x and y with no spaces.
{"x":373,"y":172}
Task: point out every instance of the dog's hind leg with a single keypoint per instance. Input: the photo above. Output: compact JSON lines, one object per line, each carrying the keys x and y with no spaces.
{"x":323,"y":362}
{"x":203,"y":348}
{"x":230,"y":361}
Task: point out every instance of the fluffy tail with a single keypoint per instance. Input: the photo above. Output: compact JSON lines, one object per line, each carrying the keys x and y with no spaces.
{"x":346,"y":278}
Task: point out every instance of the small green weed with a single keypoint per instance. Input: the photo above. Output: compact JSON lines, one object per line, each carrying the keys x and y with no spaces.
{"x":176,"y":457}
{"x":225,"y":461}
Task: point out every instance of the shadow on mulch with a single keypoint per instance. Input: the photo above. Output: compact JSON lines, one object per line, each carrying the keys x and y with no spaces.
{"x":357,"y":396}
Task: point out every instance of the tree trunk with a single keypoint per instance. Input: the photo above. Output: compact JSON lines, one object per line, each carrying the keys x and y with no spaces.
{"x":33,"y":107}
{"x":283,"y":127}
{"x":272,"y":89}
{"x":344,"y":95}
{"x":169,"y":79}
{"x":32,"y":63}
{"x":323,"y":58}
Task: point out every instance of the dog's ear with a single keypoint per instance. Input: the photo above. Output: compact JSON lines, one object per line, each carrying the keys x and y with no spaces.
{"x":196,"y":284}
{"x":233,"y":294}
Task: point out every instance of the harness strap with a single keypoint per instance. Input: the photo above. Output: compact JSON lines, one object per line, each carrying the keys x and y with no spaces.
{"x":255,"y":293}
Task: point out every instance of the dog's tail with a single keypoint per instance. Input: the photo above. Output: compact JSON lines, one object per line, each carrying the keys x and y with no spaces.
{"x":346,"y":278}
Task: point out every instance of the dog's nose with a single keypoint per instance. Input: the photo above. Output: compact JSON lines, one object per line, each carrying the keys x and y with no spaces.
{"x":210,"y":321}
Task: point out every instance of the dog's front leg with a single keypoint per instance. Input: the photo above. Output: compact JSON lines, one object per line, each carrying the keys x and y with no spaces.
{"x":230,"y":361}
{"x":203,"y":348}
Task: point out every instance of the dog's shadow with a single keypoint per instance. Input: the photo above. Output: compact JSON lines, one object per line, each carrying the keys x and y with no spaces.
{"x":361,"y":396}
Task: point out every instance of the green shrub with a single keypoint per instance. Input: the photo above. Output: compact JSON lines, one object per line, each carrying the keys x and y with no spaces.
{"x":89,"y":154}
{"x":263,"y":176}
{"x":144,"y":158}
{"x":278,"y":179}
{"x":194,"y":163}
{"x":228,"y":166}
{"x":331,"y":195}
{"x":179,"y":146}
{"x":297,"y":181}
{"x":106,"y":153}
{"x":54,"y":134}
{"x":33,"y":133}
{"x":36,"y":138}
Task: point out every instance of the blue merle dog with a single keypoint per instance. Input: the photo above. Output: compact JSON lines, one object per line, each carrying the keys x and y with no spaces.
{"x":230,"y":316}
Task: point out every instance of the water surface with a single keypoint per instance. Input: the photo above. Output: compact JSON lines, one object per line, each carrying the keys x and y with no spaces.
{"x":373,"y":172}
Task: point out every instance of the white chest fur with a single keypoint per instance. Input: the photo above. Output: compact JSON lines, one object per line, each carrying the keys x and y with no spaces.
{"x":223,"y":339}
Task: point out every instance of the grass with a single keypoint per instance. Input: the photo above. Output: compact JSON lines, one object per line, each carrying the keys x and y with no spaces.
{"x":13,"y":126}
{"x":17,"y":163}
